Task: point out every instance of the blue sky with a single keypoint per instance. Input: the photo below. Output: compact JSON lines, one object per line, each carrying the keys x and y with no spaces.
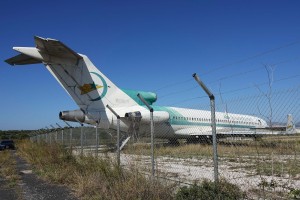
{"x":151,"y":46}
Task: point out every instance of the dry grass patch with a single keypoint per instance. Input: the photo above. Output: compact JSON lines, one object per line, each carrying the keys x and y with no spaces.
{"x":280,"y":145}
{"x":92,"y":178}
{"x":8,"y":168}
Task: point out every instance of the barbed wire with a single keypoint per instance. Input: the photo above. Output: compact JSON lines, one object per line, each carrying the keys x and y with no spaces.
{"x":220,"y":79}
{"x":237,"y":90}
{"x":241,"y":103}
{"x":180,"y":91}
{"x":253,"y":70}
{"x":251,"y":57}
{"x":173,"y":84}
{"x":186,"y":100}
{"x":261,"y":84}
{"x":275,"y":92}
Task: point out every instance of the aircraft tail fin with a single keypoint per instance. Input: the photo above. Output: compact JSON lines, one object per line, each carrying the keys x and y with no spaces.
{"x":89,"y":88}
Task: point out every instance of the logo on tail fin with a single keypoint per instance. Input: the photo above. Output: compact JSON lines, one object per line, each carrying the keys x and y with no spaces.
{"x":86,"y":88}
{"x":99,"y":84}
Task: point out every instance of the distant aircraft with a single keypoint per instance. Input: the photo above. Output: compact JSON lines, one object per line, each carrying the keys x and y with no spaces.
{"x":93,"y":91}
{"x":290,"y":128}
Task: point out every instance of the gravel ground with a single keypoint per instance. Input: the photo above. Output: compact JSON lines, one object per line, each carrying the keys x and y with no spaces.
{"x":7,"y":193}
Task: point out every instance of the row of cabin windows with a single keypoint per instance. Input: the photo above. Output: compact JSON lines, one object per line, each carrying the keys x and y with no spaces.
{"x":217,"y":120}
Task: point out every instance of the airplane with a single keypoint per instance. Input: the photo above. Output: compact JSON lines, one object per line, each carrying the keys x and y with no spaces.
{"x":93,"y":92}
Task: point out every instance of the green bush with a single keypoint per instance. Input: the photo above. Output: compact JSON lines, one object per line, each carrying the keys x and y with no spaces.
{"x":208,"y":190}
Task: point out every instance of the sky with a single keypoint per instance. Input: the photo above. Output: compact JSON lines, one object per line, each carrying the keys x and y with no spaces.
{"x":151,"y":46}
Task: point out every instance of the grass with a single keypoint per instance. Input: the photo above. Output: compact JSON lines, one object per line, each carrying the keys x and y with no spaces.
{"x":183,"y":151}
{"x":101,"y":178}
{"x":8,"y":169}
{"x":281,"y":145}
{"x":92,"y":178}
{"x":290,"y":168}
{"x":208,"y":190}
{"x":270,"y":156}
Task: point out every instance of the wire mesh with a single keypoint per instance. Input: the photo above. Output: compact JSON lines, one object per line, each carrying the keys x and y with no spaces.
{"x":263,"y":163}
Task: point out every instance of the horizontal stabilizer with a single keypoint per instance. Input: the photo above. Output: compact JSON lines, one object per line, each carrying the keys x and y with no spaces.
{"x":55,"y":48}
{"x":46,"y":51}
{"x":22,"y":59}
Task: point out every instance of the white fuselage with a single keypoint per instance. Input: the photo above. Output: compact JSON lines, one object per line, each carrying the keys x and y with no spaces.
{"x":187,"y":123}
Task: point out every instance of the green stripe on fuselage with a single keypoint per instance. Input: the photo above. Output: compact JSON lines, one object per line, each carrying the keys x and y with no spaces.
{"x":174,"y":113}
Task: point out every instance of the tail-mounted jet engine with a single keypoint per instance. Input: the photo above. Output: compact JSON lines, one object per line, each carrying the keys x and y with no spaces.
{"x":75,"y":116}
{"x":144,"y":116}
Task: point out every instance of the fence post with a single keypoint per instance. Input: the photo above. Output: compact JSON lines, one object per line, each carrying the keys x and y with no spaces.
{"x":118,"y":133}
{"x":55,"y":133}
{"x":81,"y":140}
{"x":45,"y":134}
{"x":81,"y":136}
{"x":213,"y":125}
{"x":62,"y":133}
{"x":97,"y":139}
{"x":62,"y":136}
{"x":152,"y":133}
{"x":70,"y":127}
{"x":71,"y":136}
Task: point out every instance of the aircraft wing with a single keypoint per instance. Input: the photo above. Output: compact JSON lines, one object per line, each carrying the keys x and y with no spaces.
{"x":275,"y":128}
{"x":198,"y":130}
{"x":223,"y":132}
{"x":279,"y":129}
{"x":194,"y":131}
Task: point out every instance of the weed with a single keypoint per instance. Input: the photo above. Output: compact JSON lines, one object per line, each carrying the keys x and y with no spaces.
{"x":208,"y":190}
{"x":229,"y":149}
{"x":294,"y":194}
{"x":92,"y":178}
{"x":8,"y":168}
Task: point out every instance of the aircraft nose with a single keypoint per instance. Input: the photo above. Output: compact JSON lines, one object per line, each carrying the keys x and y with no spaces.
{"x":264,"y":123}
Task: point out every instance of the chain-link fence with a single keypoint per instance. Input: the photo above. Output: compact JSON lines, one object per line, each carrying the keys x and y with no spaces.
{"x":263,"y":163}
